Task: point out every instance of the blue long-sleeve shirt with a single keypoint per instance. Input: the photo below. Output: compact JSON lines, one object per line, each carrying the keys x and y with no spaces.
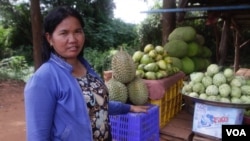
{"x":54,"y":105}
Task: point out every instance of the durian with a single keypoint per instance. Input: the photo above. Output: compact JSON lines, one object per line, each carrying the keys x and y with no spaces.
{"x":123,"y":67}
{"x":117,"y":90}
{"x":137,"y":91}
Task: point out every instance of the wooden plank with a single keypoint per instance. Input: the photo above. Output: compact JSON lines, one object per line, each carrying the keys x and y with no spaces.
{"x":176,"y":132}
{"x":178,"y":128}
{"x":169,"y":138}
{"x":203,"y":138}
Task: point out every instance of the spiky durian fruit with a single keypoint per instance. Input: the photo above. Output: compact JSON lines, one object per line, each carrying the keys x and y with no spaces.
{"x":137,"y":91}
{"x":123,"y":67}
{"x":117,"y":90}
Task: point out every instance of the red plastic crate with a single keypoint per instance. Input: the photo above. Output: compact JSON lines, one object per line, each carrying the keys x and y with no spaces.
{"x":136,"y":126}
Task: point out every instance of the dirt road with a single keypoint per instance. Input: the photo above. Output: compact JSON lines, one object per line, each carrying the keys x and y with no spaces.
{"x":12,"y":116}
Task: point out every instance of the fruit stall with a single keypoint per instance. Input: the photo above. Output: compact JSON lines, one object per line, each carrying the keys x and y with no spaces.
{"x":191,"y":97}
{"x":147,"y":77}
{"x":169,"y":80}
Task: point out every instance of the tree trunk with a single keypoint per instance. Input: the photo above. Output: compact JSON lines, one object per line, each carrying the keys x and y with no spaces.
{"x":224,"y":42}
{"x":36,"y":32}
{"x":236,"y":52}
{"x":168,"y":20}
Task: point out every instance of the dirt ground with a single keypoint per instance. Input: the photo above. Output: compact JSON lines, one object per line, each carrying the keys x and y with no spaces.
{"x":12,"y":116}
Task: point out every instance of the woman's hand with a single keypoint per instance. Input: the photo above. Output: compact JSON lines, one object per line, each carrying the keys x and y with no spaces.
{"x":139,"y":108}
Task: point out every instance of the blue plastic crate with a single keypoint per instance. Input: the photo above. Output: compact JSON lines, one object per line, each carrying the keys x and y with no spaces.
{"x":136,"y":126}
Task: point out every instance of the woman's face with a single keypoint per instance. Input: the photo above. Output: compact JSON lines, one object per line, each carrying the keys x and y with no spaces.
{"x":68,"y":38}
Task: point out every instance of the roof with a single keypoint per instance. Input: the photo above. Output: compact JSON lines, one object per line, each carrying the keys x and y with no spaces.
{"x":238,"y":11}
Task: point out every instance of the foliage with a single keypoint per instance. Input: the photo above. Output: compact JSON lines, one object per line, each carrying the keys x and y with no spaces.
{"x":14,"y":67}
{"x":105,"y":36}
{"x":149,"y":31}
{"x":16,"y":19}
{"x":102,"y":31}
{"x":97,"y":59}
{"x":4,"y":42}
{"x":101,"y":60}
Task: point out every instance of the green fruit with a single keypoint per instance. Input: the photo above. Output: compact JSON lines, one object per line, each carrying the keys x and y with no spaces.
{"x":200,"y":39}
{"x":150,"y":75}
{"x":176,"y":62}
{"x":140,"y":73}
{"x":123,"y":67}
{"x":138,"y":92}
{"x":146,"y":59}
{"x":168,"y":59}
{"x":206,"y":52}
{"x":162,"y":64}
{"x":152,"y":53}
{"x":159,"y":49}
{"x":187,"y":65}
{"x":176,"y":48}
{"x":193,"y":49}
{"x":151,"y":67}
{"x":163,"y":72}
{"x":141,"y":66}
{"x":158,"y":57}
{"x":184,"y":33}
{"x":137,"y":56}
{"x":160,"y":75}
{"x":117,"y":90}
{"x":148,"y":48}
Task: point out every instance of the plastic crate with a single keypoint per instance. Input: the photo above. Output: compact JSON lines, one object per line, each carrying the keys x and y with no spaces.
{"x":170,"y":104}
{"x":136,"y":126}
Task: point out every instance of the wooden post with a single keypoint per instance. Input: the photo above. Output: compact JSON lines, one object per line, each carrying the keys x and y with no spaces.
{"x":236,"y":52}
{"x":168,"y":20}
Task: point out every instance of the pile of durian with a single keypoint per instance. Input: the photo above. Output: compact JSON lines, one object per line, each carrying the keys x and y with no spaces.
{"x":125,"y":86}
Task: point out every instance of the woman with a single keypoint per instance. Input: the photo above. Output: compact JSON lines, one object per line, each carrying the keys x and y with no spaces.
{"x":65,"y":99}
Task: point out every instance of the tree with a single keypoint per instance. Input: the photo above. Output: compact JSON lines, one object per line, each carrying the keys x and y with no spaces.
{"x":36,"y":32}
{"x":168,"y":20}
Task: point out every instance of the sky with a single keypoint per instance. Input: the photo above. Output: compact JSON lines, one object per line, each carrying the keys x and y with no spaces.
{"x":130,"y":10}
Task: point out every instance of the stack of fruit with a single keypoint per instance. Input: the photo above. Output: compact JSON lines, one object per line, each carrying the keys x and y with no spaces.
{"x":188,"y":47}
{"x":218,"y":84}
{"x":153,"y":63}
{"x":125,"y":86}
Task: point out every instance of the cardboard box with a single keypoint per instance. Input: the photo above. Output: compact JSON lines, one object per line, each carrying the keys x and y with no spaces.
{"x":208,"y":119}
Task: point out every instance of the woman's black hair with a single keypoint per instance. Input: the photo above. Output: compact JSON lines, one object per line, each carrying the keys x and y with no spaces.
{"x":51,"y":21}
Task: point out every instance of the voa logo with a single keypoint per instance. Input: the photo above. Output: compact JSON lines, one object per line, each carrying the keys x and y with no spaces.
{"x":236,"y":132}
